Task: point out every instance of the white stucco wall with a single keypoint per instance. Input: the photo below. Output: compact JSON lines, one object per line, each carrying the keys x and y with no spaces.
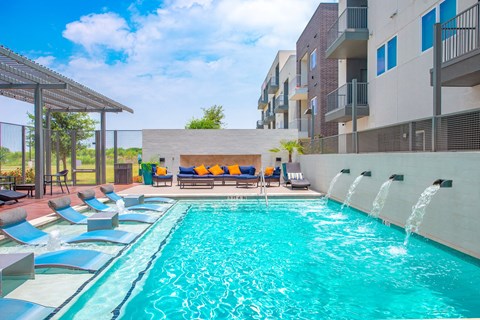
{"x":171,"y":143}
{"x":452,"y":218}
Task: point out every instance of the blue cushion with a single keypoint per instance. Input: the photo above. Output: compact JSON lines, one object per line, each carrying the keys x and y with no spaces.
{"x":187,"y":170}
{"x":166,"y":177}
{"x":184,"y":175}
{"x":225,"y":169}
{"x":247,"y":170}
{"x":277,"y":171}
{"x":246,"y":176}
{"x":154,"y":168}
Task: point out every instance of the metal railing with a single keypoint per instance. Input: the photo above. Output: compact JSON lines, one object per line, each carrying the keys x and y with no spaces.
{"x":351,"y":18}
{"x":281,"y":101}
{"x":259,"y":124}
{"x":262,"y":101}
{"x":301,"y":124}
{"x":342,"y":97}
{"x":461,"y":34}
{"x":455,"y":132}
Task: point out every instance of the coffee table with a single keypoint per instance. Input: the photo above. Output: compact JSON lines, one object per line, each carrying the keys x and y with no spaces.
{"x":102,"y":221}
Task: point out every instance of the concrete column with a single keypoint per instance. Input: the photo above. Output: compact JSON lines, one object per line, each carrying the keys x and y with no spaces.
{"x":437,"y":81}
{"x":354,"y":116}
{"x":39,"y":148}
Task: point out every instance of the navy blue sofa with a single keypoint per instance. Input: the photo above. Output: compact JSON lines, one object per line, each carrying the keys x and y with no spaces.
{"x":248,"y":172}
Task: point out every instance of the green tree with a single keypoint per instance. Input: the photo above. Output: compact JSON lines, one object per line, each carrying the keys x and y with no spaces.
{"x":290,"y":146}
{"x":212,"y":119}
{"x":64,"y":123}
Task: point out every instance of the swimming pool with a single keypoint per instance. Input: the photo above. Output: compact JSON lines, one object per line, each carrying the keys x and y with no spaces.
{"x":297,"y":259}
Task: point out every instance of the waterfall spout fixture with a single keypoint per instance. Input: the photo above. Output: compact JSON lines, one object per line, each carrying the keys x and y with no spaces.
{"x":366,"y":173}
{"x":345,"y":171}
{"x":443,"y":183}
{"x":396,"y":177}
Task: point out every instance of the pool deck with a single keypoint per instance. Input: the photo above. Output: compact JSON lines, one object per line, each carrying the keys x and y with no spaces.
{"x":64,"y":283}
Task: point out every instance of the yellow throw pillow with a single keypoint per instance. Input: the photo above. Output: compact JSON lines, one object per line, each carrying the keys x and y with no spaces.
{"x":269,"y":171}
{"x":216,"y":170}
{"x":201,"y":170}
{"x":161,"y":171}
{"x":234,"y":170}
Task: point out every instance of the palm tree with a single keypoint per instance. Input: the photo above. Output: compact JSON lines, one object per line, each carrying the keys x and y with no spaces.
{"x":290,"y":146}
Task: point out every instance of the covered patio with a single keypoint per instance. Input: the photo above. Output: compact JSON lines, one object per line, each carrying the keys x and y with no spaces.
{"x":25,"y":80}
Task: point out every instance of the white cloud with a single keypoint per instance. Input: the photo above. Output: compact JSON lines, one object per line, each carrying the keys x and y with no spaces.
{"x":107,"y":30}
{"x":46,"y":61}
{"x":186,"y":55}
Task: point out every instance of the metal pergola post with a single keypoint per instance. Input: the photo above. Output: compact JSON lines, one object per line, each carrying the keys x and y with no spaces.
{"x":24,"y":150}
{"x":48,"y":144}
{"x":73,"y":156}
{"x":103,"y":155}
{"x":437,"y":81}
{"x":39,"y":165}
{"x":115,"y":145}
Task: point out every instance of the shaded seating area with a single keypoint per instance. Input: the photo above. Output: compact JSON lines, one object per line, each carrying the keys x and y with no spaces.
{"x":14,"y":225}
{"x":14,"y":309}
{"x":88,"y":197}
{"x":108,"y":191}
{"x":293,"y":175}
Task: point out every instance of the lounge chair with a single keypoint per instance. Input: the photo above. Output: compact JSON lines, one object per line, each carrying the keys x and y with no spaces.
{"x":88,"y":197}
{"x":109,"y":192}
{"x":2,"y":203}
{"x":62,"y":208}
{"x":10,"y":195}
{"x":14,"y":225}
{"x":79,"y":259}
{"x":295,"y":176}
{"x":14,"y":309}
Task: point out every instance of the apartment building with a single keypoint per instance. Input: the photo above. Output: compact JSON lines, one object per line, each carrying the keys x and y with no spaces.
{"x":387,"y":46}
{"x":274,"y":100}
{"x":316,"y":75}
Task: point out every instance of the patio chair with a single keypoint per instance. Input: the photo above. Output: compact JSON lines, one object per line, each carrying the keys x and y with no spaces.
{"x":60,"y":178}
{"x":14,"y":225}
{"x":62,"y":208}
{"x":13,"y":309}
{"x":10,"y":195}
{"x":295,"y":176}
{"x":109,"y":192}
{"x":88,"y":197}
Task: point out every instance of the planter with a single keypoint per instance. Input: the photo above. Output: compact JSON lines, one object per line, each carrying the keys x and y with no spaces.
{"x":147,"y":173}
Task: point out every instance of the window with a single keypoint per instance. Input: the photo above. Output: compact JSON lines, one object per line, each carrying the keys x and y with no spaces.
{"x":392,"y":53}
{"x":380,"y":60}
{"x":313,"y":106}
{"x":387,"y":56}
{"x":428,"y":21}
{"x":446,"y":11}
{"x":313,"y":59}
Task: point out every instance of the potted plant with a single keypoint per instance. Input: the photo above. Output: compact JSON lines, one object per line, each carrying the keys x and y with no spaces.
{"x":147,"y":172}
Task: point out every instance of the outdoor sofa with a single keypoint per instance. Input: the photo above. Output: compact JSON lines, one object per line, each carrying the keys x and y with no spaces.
{"x":246,"y":173}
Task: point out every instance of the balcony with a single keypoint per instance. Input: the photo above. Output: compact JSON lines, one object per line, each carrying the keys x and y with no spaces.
{"x":347,"y":37}
{"x":259,"y":124}
{"x":262,"y":102}
{"x":269,"y":117}
{"x":300,"y":92}
{"x":302,"y":125}
{"x":281,"y":104}
{"x":272,"y":85}
{"x":461,"y":49}
{"x":339,"y":103}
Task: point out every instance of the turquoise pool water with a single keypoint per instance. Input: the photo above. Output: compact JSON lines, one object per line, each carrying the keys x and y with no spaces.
{"x":296,"y":259}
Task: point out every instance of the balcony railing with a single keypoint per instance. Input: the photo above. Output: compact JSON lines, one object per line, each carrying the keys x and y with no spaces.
{"x":302,"y":124}
{"x":461,"y":34}
{"x":272,"y":85}
{"x":351,"y":18}
{"x":262,"y":102}
{"x":259,"y":124}
{"x":342,"y":97}
{"x":281,"y":104}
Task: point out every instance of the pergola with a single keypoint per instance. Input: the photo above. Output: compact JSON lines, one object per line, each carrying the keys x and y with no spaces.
{"x":26,"y":80}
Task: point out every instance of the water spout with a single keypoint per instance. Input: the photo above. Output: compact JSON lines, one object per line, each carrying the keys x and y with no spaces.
{"x":332,"y":183}
{"x":443,"y":183}
{"x":366,"y":173}
{"x":418,"y":211}
{"x":351,"y":191}
{"x":54,"y":241}
{"x":396,"y":177}
{"x":345,"y":171}
{"x":380,"y":199}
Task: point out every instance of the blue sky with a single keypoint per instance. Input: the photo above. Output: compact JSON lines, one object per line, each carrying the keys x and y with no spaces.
{"x":165,"y":59}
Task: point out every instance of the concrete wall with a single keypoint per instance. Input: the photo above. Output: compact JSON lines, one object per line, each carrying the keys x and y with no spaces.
{"x":452,"y":218}
{"x":172,"y":143}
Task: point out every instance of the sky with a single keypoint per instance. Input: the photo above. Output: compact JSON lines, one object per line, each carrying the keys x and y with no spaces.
{"x":164,"y":59}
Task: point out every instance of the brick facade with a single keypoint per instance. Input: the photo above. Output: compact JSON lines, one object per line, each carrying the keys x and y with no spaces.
{"x":323,"y":79}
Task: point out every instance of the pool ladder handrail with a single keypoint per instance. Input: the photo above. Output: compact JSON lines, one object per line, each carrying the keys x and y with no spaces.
{"x":263,"y":188}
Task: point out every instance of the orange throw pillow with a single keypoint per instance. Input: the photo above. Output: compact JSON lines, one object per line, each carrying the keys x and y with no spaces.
{"x":201,"y":170}
{"x":269,"y":171}
{"x":161,"y":171}
{"x":234,"y":170}
{"x":216,"y":170}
